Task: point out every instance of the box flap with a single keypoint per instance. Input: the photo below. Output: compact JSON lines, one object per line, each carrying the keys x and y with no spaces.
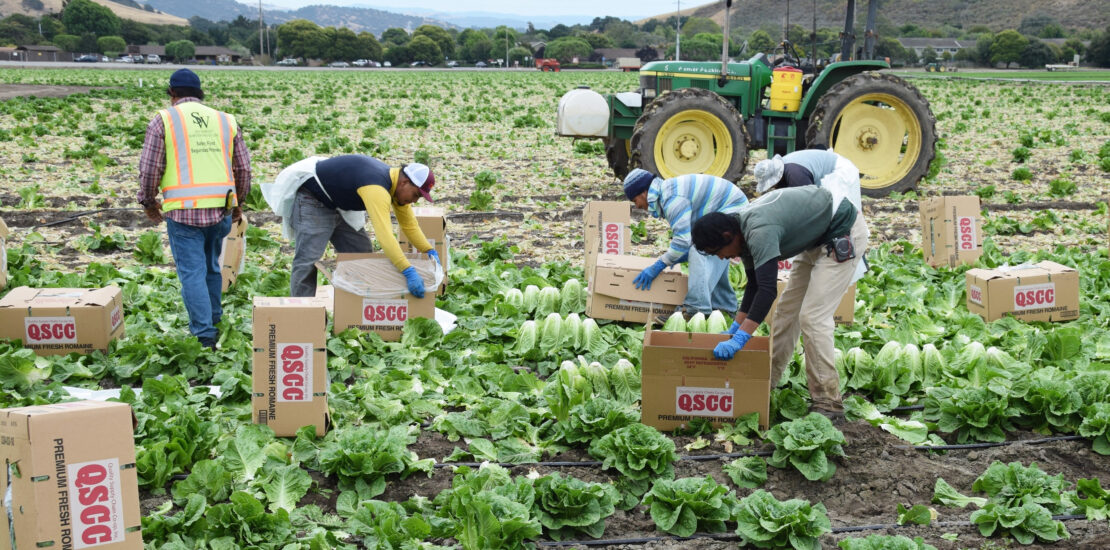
{"x":59,"y":297}
{"x":614,"y":276}
{"x":3,"y":229}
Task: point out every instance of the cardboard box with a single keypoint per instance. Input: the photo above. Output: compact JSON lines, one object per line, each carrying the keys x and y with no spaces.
{"x":682,"y":380}
{"x":383,"y":316}
{"x":433,"y":223}
{"x":1046,"y":291}
{"x":233,"y":255}
{"x":290,"y":368}
{"x":845,"y":313}
{"x":326,"y":295}
{"x":57,"y":321}
{"x":70,"y":468}
{"x":613,"y":296}
{"x":607,"y":231}
{"x":951,"y":230}
{"x":3,"y":254}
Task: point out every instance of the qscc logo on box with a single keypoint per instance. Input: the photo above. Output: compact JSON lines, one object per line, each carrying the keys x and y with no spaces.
{"x":613,"y":241}
{"x":704,"y":401}
{"x":96,"y":503}
{"x":1034,"y":296}
{"x":117,"y":317}
{"x":50,"y":330}
{"x":975,"y":294}
{"x":786,"y":265}
{"x":967,"y":232}
{"x":294,"y":382}
{"x":385,"y":312}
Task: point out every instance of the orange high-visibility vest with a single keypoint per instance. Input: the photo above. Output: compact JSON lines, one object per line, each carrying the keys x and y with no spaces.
{"x":198,"y":157}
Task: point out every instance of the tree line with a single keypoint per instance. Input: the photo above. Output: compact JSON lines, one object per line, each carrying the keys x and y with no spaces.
{"x":84,"y":26}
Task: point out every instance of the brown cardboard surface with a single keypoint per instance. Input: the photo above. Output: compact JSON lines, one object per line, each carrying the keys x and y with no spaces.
{"x":57,"y":321}
{"x":1047,"y":291}
{"x":614,"y":276}
{"x":845,"y":313}
{"x":433,"y":223}
{"x":951,"y":230}
{"x":682,"y":380}
{"x":290,"y":367}
{"x":3,"y":254}
{"x":233,"y":254}
{"x":606,"y":231}
{"x":71,"y":458}
{"x":326,"y":294}
{"x":600,"y":306}
{"x":383,"y":316}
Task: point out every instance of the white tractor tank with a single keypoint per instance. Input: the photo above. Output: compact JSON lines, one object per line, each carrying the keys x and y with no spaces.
{"x":582,"y":113}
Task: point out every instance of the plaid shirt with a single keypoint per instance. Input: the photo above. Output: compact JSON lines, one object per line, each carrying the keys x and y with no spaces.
{"x":152,"y":165}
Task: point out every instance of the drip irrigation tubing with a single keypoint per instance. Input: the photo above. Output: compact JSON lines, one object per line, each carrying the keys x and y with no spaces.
{"x":81,"y":215}
{"x":732,"y":537}
{"x":593,"y":463}
{"x":988,"y":445}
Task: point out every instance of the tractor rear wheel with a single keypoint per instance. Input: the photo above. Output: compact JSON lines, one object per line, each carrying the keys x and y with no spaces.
{"x":690,"y":131}
{"x":883,"y":125}
{"x":616,"y":152}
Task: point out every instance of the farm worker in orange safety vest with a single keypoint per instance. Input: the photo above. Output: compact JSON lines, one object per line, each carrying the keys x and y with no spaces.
{"x":195,"y":156}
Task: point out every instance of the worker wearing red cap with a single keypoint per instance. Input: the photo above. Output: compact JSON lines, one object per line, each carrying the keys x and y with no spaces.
{"x":347,"y":184}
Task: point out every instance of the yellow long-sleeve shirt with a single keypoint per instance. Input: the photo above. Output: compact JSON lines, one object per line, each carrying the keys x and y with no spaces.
{"x":378,"y":203}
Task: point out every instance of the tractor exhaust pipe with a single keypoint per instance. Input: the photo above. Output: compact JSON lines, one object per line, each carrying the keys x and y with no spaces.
{"x":724,"y":49}
{"x":848,"y":37}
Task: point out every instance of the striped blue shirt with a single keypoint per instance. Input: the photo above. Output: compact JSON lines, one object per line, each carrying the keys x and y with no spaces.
{"x":684,"y":199}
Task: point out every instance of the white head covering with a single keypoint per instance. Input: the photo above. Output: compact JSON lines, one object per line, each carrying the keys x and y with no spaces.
{"x":768,"y":173}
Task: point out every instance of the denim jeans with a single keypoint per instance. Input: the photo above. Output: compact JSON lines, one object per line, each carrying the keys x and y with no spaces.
{"x":196,"y":253}
{"x":708,"y":287}
{"x":314,"y":225}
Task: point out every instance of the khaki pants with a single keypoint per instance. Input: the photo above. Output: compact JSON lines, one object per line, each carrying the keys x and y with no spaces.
{"x":817,"y":284}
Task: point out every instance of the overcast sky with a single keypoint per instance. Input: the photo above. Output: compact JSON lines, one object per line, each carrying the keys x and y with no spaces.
{"x":626,"y":9}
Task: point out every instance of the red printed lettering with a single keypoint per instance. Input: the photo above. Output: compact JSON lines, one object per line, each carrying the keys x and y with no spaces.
{"x":385,"y":312}
{"x":966,"y":233}
{"x":613,"y":238}
{"x":1034,"y":296}
{"x":694,"y":401}
{"x":295,"y":382}
{"x":96,"y":502}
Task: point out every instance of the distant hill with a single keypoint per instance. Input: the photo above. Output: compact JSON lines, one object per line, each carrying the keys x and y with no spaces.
{"x":8,"y":7}
{"x":356,"y":19}
{"x":998,"y":15}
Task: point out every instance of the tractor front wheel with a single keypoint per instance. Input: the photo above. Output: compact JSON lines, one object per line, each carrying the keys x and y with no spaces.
{"x":690,"y":131}
{"x":883,"y":125}
{"x":616,"y":152}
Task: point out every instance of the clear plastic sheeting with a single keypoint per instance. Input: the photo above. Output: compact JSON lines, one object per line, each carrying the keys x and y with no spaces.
{"x":378,"y":278}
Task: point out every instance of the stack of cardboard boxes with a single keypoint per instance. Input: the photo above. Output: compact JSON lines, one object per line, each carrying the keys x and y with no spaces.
{"x":610,"y":272}
{"x":951,"y":229}
{"x":69,"y":478}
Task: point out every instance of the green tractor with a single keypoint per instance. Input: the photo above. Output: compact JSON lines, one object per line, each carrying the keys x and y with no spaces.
{"x":703,"y":117}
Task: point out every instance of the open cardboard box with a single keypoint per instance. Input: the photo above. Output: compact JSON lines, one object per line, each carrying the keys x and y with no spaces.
{"x":433,"y":223}
{"x":682,"y":380}
{"x":613,"y":296}
{"x":383,"y":316}
{"x":606,"y":231}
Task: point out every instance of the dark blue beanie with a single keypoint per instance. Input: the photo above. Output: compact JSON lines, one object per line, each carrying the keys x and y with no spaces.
{"x":184,"y":78}
{"x":636,"y":182}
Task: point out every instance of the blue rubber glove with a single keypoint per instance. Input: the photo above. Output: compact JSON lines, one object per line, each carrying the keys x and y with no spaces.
{"x":644,"y":279}
{"x":416,"y":284}
{"x":725,"y":350}
{"x":732,"y":330}
{"x":434,"y":255}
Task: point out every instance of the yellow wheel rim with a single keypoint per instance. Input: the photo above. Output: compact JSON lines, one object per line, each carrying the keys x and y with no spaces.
{"x":881,"y":135}
{"x":693,"y":142}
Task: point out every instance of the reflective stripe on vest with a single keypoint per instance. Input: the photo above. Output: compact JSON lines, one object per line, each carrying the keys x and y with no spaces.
{"x":198,"y":158}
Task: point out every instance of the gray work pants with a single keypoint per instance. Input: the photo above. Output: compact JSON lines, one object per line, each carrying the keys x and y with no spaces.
{"x":314,"y":225}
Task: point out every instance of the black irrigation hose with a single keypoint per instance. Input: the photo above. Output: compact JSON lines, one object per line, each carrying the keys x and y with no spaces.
{"x":731,"y":537}
{"x":988,"y":445}
{"x":592,"y":463}
{"x":80,"y":215}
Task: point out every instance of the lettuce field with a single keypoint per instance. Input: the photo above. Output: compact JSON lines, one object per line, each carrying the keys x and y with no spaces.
{"x":520,"y":428}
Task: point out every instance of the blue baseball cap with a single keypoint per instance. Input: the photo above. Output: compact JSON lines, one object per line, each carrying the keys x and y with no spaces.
{"x":184,"y":78}
{"x":637,"y":181}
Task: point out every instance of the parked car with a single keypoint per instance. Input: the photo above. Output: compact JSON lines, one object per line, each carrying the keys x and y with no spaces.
{"x":361,"y":63}
{"x":339,"y":64}
{"x":418,"y":64}
{"x":378,"y":63}
{"x":287,"y":62}
{"x":125,"y":59}
{"x":153,"y":58}
{"x":452,"y":63}
{"x":387,"y":64}
{"x":89,"y":58}
{"x":480,"y":64}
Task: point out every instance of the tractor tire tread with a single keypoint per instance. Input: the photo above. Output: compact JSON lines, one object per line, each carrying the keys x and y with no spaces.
{"x":686,"y":95}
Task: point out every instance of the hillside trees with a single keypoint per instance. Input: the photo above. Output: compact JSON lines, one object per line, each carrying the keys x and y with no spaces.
{"x":1007,"y":47}
{"x":567,"y":48}
{"x":181,"y":50}
{"x":474,"y":46}
{"x":302,"y":38}
{"x":81,"y":16}
{"x":110,"y":46}
{"x":441,"y":38}
{"x":425,"y":49}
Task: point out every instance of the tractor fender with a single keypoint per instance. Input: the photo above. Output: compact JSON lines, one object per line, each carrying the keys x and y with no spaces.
{"x":829,"y":77}
{"x":582,"y":112}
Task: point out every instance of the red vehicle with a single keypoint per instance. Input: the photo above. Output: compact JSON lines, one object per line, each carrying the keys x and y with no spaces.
{"x":547,"y":64}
